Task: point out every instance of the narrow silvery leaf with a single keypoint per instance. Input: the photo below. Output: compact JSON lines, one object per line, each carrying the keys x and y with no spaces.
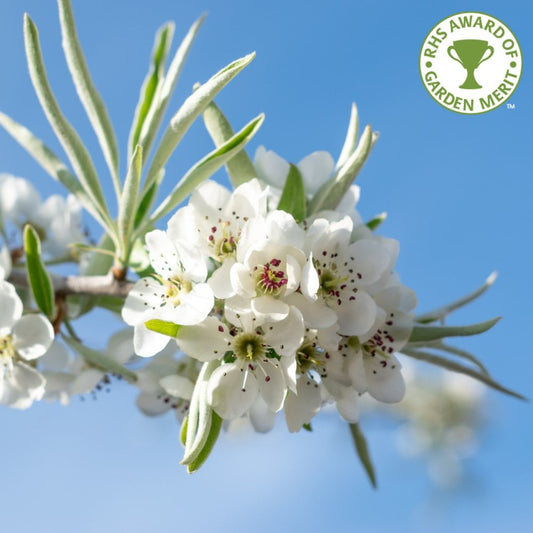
{"x":38,"y":278}
{"x":422,"y":333}
{"x":161,"y":326}
{"x":100,"y":360}
{"x":154,"y":78}
{"x":69,"y":139}
{"x":458,"y":367}
{"x":89,"y":96}
{"x":292,"y":198}
{"x":361,"y":447}
{"x":200,"y":415}
{"x":442,"y":312}
{"x":166,"y":88}
{"x":332,"y":192}
{"x":214,"y":432}
{"x":240,"y":167}
{"x":376,"y":222}
{"x":49,"y":162}
{"x":207,"y":166}
{"x":439,"y":345}
{"x":351,"y":138}
{"x":128,"y":201}
{"x":189,"y":111}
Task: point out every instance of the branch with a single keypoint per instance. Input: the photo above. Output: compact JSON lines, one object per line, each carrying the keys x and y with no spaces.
{"x":91,"y":285}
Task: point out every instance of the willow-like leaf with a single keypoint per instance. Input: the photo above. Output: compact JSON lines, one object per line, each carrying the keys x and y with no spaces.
{"x":153,"y":80}
{"x":38,"y":278}
{"x":292,"y":198}
{"x":128,"y":202}
{"x":458,"y":367}
{"x":332,"y":192}
{"x":207,"y":166}
{"x":351,"y":138}
{"x":100,"y":360}
{"x":240,"y":167}
{"x":212,"y":437}
{"x":444,"y":311}
{"x":376,"y":222}
{"x":69,"y":139}
{"x":89,"y":96}
{"x":188,"y":112}
{"x":422,"y":333}
{"x":361,"y":447}
{"x":165,"y":89}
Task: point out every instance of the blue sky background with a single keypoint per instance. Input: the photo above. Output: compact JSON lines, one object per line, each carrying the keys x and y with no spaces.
{"x":458,"y":193}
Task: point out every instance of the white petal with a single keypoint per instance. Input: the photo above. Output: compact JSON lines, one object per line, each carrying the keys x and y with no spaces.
{"x":384,"y":378}
{"x":206,"y":341}
{"x":163,"y":254}
{"x":146,"y":342}
{"x":120,"y":346}
{"x":371,"y":259}
{"x":220,"y":281}
{"x":269,"y":308}
{"x":152,"y":404}
{"x":302,"y":406}
{"x":271,"y":168}
{"x":316,"y":168}
{"x":10,"y":304}
{"x":182,"y":226}
{"x":177,"y":386}
{"x":271,"y":386}
{"x":57,"y":358}
{"x":32,"y":336}
{"x":316,"y":314}
{"x":86,"y":381}
{"x":356,"y":316}
{"x":261,"y":417}
{"x":293,"y":272}
{"x":144,"y":297}
{"x":231,"y":391}
{"x":194,"y":306}
{"x":241,"y":281}
{"x":286,"y":335}
{"x":310,"y":280}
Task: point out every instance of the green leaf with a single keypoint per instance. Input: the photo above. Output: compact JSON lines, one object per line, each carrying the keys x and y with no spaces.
{"x":351,"y":137}
{"x":50,"y":163}
{"x":212,"y":437}
{"x":69,"y":139}
{"x":101,"y":360}
{"x":442,"y":312}
{"x":332,"y":192}
{"x":165,"y":89}
{"x":439,"y":345}
{"x":163,"y":327}
{"x":458,"y":367}
{"x":240,"y":167}
{"x":154,"y":78}
{"x":88,"y":95}
{"x":293,"y":196}
{"x":207,"y":166}
{"x":38,"y":277}
{"x":128,"y":203}
{"x":423,"y":333}
{"x":183,"y":430}
{"x":376,"y":222}
{"x":363,"y":453}
{"x":188,"y":112}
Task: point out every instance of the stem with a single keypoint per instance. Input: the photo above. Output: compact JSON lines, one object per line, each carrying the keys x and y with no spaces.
{"x":90,"y":285}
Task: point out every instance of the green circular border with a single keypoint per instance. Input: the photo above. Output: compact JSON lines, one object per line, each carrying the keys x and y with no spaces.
{"x":462,"y":13}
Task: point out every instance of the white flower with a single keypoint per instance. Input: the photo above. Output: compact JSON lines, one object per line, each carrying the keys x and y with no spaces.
{"x":18,"y":199}
{"x":316,"y":169}
{"x":22,"y":339}
{"x":177,"y":294}
{"x":214,"y":217}
{"x":5,"y":263}
{"x":254,"y":349}
{"x":337,"y":277}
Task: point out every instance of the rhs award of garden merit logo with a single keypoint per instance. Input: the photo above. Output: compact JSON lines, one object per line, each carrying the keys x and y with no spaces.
{"x":470,"y":63}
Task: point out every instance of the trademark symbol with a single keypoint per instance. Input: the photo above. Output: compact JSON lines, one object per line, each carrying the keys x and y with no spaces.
{"x":510,"y":106}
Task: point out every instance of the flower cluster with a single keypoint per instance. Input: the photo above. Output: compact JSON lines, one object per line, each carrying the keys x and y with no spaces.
{"x":294,"y":314}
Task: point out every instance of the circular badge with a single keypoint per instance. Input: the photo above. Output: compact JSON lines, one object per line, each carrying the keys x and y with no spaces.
{"x":470,"y":63}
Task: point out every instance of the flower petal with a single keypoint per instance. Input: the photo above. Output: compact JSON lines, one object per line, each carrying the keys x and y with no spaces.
{"x":206,"y":341}
{"x":177,"y":386}
{"x":32,"y":336}
{"x":356,"y":316}
{"x":301,"y":407}
{"x":11,"y":306}
{"x":316,"y":168}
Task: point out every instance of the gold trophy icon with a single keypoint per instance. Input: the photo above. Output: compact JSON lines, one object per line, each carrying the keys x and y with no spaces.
{"x":470,"y":53}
